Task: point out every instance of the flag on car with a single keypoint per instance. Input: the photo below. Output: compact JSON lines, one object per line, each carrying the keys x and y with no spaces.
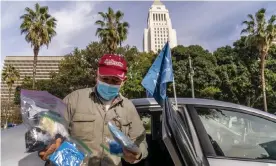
{"x":159,"y":74}
{"x":148,"y":94}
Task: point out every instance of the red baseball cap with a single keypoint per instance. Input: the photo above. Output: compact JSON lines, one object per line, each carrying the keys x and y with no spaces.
{"x":113,"y":65}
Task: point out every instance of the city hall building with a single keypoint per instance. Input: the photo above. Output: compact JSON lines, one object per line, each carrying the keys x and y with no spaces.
{"x":159,"y":29}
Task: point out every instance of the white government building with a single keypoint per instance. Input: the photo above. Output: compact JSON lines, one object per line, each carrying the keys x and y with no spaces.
{"x":159,"y":29}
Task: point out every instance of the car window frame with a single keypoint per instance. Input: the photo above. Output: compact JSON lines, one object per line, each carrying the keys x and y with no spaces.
{"x":202,"y":136}
{"x":183,"y":110}
{"x":183,"y":143}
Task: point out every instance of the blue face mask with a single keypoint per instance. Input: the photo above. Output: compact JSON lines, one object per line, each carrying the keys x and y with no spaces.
{"x":106,"y":91}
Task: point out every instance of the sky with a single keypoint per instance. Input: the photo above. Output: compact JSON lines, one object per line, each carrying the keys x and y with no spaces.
{"x":209,"y":24}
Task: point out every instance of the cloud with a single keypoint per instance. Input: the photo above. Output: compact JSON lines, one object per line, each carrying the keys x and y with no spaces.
{"x":72,"y":23}
{"x":212,"y":24}
{"x":10,"y":13}
{"x":75,"y":23}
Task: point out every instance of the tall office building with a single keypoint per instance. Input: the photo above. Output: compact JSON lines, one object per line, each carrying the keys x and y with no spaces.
{"x":159,"y":29}
{"x":24,"y":64}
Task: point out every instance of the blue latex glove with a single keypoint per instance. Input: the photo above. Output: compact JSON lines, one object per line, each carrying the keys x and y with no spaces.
{"x":67,"y":155}
{"x":115,"y":148}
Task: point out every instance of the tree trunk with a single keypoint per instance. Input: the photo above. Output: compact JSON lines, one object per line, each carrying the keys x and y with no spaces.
{"x":8,"y":108}
{"x":263,"y":55}
{"x":36,"y":50}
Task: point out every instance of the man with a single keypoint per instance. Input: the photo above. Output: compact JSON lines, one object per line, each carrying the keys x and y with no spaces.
{"x":90,"y":109}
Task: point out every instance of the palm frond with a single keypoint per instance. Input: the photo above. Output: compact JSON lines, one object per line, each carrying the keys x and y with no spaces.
{"x":111,"y":30}
{"x":100,"y":22}
{"x":38,"y":26}
{"x":272,"y":19}
{"x":250,"y":16}
{"x":119,"y":15}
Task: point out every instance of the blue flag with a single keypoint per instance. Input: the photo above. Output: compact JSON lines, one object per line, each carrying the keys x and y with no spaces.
{"x":159,"y":74}
{"x":148,"y":94}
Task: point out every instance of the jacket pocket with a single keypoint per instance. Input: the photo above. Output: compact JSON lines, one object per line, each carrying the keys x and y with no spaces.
{"x":126,"y":128}
{"x":83,"y":126}
{"x":122,"y":124}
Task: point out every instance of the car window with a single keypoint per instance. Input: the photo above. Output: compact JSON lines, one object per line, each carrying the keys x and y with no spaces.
{"x":238,"y":134}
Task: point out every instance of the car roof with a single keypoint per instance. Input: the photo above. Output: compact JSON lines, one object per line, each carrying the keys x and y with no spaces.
{"x":203,"y":102}
{"x":13,"y":150}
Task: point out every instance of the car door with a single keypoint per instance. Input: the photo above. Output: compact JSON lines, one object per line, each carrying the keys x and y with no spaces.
{"x":239,"y":137}
{"x":176,"y":139}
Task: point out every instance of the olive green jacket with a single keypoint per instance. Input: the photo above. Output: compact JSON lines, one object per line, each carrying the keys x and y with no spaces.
{"x":88,"y":120}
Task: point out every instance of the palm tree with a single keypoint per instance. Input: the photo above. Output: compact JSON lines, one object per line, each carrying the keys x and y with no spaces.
{"x":261,"y":34}
{"x":9,"y":75}
{"x":123,"y":32}
{"x":39,"y":27}
{"x":112,"y":31}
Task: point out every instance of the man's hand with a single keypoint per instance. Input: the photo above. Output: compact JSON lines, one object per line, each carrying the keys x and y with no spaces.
{"x":44,"y":154}
{"x":131,"y":157}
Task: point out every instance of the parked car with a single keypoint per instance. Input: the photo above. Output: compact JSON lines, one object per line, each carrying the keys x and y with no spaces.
{"x":210,"y":133}
{"x":199,"y":133}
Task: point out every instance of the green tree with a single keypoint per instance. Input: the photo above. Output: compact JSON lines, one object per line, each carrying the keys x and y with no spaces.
{"x":112,"y":30}
{"x":123,"y":31}
{"x":79,"y":69}
{"x":237,"y":79}
{"x":205,"y":78}
{"x":271,"y":79}
{"x":261,"y":34}
{"x":39,"y":29}
{"x":26,"y":84}
{"x":10,"y":75}
{"x":138,"y":67}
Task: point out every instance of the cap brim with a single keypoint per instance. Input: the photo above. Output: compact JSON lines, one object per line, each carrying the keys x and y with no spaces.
{"x":105,"y":71}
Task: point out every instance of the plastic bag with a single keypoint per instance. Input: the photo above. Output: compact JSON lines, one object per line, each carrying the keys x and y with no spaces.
{"x":71,"y":152}
{"x":48,"y":134}
{"x":122,"y":139}
{"x":42,"y":113}
{"x":37,"y":139}
{"x":34,"y":102}
{"x":113,"y":147}
{"x":52,"y":123}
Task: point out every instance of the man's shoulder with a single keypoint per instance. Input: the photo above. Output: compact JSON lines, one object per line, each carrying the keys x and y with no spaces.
{"x":125,"y":99}
{"x":127,"y":102}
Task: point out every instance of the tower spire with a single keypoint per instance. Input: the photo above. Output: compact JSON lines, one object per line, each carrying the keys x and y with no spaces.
{"x":157,"y":2}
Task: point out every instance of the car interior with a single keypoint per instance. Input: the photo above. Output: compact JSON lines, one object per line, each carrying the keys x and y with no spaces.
{"x":157,"y":151}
